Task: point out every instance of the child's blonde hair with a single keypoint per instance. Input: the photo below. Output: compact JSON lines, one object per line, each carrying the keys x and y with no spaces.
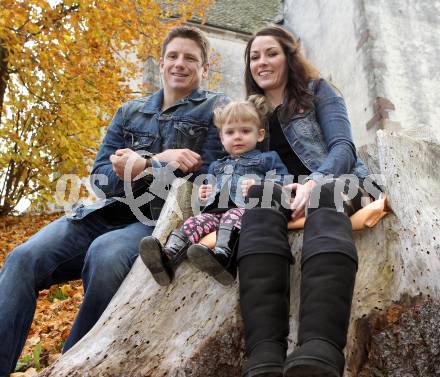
{"x":254,"y":109}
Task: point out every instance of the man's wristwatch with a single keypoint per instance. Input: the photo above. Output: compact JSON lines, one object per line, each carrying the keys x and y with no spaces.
{"x":147,"y":155}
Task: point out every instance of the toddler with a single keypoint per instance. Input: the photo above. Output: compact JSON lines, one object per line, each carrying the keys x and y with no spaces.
{"x":241,"y":126}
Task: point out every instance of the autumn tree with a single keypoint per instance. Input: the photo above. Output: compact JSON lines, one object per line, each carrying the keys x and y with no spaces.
{"x":65,"y":66}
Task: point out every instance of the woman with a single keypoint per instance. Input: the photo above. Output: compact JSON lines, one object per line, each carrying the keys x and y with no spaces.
{"x":310,"y":130}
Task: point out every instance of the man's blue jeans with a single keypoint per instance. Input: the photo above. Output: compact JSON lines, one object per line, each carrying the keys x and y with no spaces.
{"x":99,"y":253}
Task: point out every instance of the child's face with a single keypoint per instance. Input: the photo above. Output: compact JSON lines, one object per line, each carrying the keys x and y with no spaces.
{"x":240,"y":137}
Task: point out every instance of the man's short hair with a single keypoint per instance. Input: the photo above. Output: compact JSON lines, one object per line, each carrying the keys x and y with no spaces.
{"x":188,"y":32}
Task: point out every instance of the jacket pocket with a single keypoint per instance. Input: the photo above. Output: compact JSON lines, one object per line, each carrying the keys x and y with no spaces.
{"x":190,"y":135}
{"x":138,"y":141}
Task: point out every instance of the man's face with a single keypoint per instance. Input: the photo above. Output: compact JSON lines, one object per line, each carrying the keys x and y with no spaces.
{"x":182,"y":67}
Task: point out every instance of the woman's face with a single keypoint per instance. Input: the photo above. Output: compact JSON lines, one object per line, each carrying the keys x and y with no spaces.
{"x":268,"y":64}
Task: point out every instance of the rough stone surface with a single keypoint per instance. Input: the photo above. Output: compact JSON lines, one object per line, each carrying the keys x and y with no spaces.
{"x":336,"y":38}
{"x":404,"y":51}
{"x":229,"y":49}
{"x":376,"y":50}
{"x":193,"y":327}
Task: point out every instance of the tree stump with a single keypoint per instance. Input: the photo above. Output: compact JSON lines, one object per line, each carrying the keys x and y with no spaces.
{"x":193,"y":328}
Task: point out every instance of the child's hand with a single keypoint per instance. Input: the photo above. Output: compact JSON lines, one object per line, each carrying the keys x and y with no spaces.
{"x":204,"y":192}
{"x":245,"y":185}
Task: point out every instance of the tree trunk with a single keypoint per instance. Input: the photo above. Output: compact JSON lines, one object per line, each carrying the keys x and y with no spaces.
{"x":4,"y":76}
{"x":193,"y":327}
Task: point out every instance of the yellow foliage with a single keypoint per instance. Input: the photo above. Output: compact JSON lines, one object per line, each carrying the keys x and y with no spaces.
{"x":64,"y":68}
{"x":214,"y":70}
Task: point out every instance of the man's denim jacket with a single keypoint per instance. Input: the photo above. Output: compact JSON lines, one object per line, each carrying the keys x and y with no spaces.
{"x":142,"y":126}
{"x":230,"y":171}
{"x":321,"y":137}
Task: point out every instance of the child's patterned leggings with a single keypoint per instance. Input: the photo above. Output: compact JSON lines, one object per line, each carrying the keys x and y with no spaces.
{"x":197,"y":227}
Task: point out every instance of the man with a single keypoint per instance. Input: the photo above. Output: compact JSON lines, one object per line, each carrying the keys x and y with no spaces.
{"x":100,"y":245}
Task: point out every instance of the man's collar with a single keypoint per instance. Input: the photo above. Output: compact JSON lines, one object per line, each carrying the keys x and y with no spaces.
{"x":197,"y":95}
{"x":155,"y":101}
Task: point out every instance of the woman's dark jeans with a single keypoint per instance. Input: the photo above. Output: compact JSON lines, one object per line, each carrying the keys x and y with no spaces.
{"x":337,"y":194}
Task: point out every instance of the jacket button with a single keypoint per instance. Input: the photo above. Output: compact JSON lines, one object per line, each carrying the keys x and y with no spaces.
{"x":191,"y":132}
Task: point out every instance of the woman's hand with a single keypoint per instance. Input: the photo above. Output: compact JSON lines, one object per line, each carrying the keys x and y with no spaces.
{"x":204,"y":192}
{"x":245,"y":185}
{"x":300,"y":203}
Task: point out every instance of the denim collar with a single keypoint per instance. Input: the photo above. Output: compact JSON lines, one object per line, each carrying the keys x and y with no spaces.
{"x":250,"y":154}
{"x":153,"y":104}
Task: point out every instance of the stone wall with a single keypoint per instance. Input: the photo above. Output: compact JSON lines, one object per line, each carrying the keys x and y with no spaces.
{"x":382,"y":54}
{"x":229,"y":51}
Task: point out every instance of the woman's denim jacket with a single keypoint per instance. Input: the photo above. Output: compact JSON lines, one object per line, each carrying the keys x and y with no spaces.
{"x":142,"y":126}
{"x":230,"y":171}
{"x":321,"y":137}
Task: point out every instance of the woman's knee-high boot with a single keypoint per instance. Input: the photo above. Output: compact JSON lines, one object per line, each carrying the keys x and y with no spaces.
{"x":328,"y":265}
{"x":264,"y":274}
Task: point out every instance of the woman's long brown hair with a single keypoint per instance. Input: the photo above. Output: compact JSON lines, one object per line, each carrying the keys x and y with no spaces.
{"x":299,"y":71}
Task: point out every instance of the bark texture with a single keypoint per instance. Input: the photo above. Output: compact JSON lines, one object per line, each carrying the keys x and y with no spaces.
{"x":4,"y":76}
{"x":404,"y":340}
{"x":193,"y":327}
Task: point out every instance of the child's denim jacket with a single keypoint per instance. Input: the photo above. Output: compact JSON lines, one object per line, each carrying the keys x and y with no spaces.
{"x":230,"y":171}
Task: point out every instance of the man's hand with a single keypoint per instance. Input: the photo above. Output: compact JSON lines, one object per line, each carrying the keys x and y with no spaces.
{"x":183,"y":159}
{"x":245,"y":185}
{"x":301,"y":200}
{"x":127,"y":159}
{"x":204,"y":192}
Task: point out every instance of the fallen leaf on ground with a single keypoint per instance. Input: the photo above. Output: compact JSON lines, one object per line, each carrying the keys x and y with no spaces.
{"x":29,"y":373}
{"x":56,"y":307}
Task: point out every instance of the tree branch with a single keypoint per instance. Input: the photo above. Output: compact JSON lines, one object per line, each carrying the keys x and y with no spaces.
{"x":4,"y":75}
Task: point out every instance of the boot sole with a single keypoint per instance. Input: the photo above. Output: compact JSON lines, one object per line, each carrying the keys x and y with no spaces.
{"x":150,"y":253}
{"x":265,"y":371}
{"x":204,"y":261}
{"x":309,"y":368}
